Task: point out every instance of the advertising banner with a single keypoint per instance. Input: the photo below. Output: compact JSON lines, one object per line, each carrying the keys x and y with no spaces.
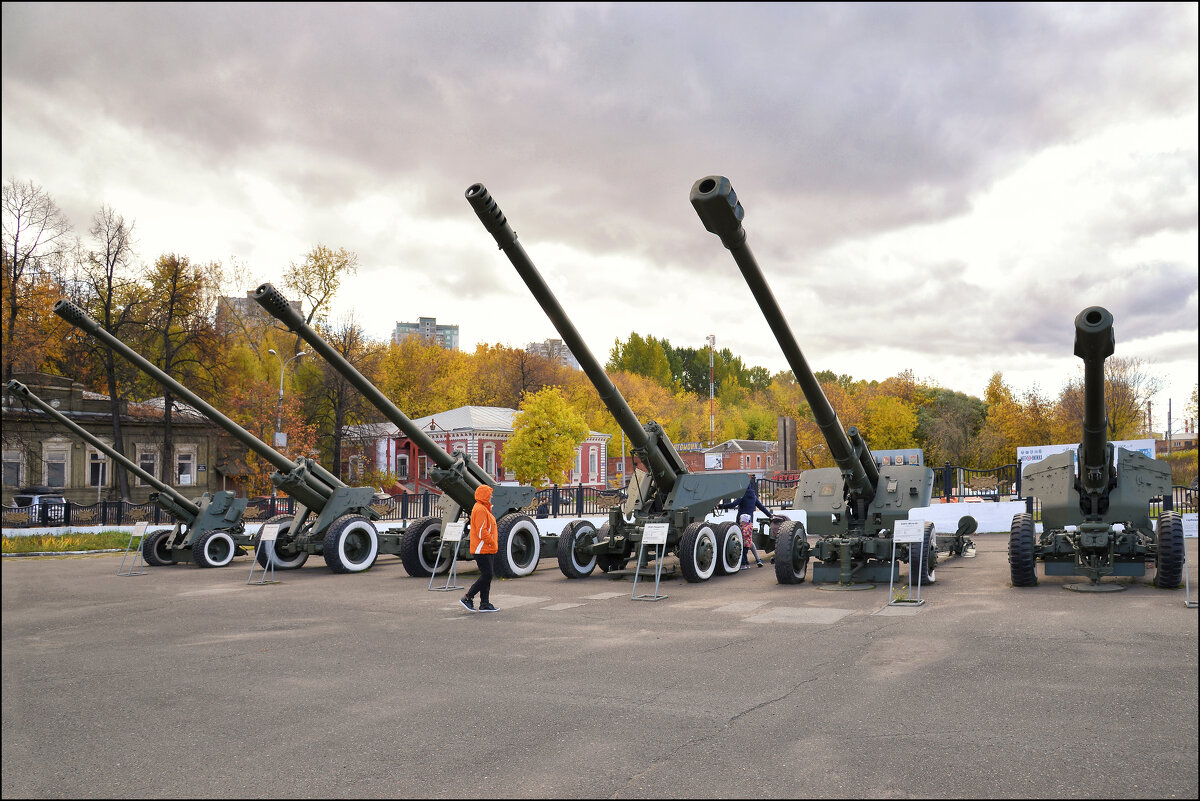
{"x":1027,"y":456}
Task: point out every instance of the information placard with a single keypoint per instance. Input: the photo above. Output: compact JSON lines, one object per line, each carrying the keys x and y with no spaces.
{"x":655,"y":533}
{"x":269,"y":532}
{"x":909,"y":531}
{"x":454,"y":532}
{"x":139,"y":528}
{"x":1189,"y":526}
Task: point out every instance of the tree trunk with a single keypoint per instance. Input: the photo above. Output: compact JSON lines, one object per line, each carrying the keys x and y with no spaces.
{"x":118,"y":439}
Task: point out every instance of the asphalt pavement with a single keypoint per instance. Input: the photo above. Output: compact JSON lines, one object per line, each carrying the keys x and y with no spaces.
{"x":187,"y":682}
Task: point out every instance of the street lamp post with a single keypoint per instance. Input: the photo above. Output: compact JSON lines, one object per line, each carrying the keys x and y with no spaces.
{"x":712,"y":343}
{"x":281,"y":439}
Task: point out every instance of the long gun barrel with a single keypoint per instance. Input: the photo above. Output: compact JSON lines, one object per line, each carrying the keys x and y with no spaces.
{"x":322,"y":488}
{"x":1094,"y":342}
{"x":276,"y":304}
{"x":717,"y":204}
{"x":664,"y":464}
{"x":17,"y":388}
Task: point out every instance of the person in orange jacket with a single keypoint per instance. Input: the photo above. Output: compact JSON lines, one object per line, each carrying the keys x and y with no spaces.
{"x":483,"y":548}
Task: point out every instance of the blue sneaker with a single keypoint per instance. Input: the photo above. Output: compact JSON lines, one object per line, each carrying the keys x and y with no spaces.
{"x":467,"y":603}
{"x":487,"y":608}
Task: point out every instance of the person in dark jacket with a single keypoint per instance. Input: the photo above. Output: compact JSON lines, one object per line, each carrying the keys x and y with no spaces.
{"x":745,"y":517}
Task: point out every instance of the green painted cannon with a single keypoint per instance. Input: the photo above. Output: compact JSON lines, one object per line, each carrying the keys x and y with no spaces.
{"x":851,"y":508}
{"x":331,"y":518}
{"x":662,"y":489}
{"x":1095,"y":519}
{"x":208,"y":530}
{"x":520,"y":545}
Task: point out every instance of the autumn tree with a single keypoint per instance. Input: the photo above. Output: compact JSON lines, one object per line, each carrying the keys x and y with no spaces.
{"x":318,"y":277}
{"x":546,"y":433}
{"x":36,"y":238}
{"x":330,"y":401}
{"x":180,"y":337}
{"x":1128,"y":387}
{"x":106,"y":288}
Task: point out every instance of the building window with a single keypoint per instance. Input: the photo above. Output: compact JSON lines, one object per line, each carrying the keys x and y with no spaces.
{"x":489,"y":459}
{"x":97,"y":469}
{"x":593,"y":464}
{"x":422,"y":467}
{"x":402,"y":467}
{"x":357,"y":468}
{"x":147,"y":459}
{"x":56,"y":458}
{"x":758,"y":460}
{"x":578,"y":465}
{"x":185,"y":465}
{"x":14,"y":469}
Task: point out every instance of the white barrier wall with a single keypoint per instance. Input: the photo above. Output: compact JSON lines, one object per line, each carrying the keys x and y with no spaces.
{"x":993,"y":517}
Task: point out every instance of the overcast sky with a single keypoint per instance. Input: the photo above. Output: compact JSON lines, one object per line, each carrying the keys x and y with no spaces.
{"x":933,"y":187}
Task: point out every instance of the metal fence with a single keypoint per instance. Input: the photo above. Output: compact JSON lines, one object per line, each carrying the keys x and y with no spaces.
{"x":950,"y":484}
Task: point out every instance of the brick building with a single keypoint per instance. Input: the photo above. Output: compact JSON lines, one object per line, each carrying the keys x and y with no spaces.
{"x":479,"y":431}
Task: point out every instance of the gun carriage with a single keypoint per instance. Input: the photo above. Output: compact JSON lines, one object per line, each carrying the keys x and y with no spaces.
{"x":851,"y":508}
{"x":662,"y":489}
{"x":207,"y":530}
{"x":331,"y":518}
{"x":1095,"y":518}
{"x":520,"y":545}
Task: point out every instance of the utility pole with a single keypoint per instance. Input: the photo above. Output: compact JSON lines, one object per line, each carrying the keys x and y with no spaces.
{"x":712,"y":342}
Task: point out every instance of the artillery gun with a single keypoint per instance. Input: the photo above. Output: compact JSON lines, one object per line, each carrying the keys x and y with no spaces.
{"x":331,"y":518}
{"x":519,"y":543}
{"x":663,"y":492}
{"x":1095,"y":521}
{"x":208,"y":530}
{"x":853,"y":507}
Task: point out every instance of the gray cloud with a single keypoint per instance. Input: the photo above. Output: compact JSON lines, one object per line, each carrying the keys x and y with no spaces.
{"x":589,"y":123}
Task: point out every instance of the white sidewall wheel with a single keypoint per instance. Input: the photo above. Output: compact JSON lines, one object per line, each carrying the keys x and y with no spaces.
{"x":519,"y":546}
{"x":214,"y":549}
{"x":351,"y":544}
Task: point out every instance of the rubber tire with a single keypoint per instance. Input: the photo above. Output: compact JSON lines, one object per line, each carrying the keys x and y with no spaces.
{"x":731,"y":556}
{"x":203,"y":549}
{"x":518,"y":546}
{"x":419,"y":546}
{"x":281,"y":562}
{"x":1168,"y":559}
{"x":791,"y":553}
{"x":351,"y":544}
{"x":1022,"y":562}
{"x":698,"y":555}
{"x":153,"y":552}
{"x":929,"y":563}
{"x":568,"y":563}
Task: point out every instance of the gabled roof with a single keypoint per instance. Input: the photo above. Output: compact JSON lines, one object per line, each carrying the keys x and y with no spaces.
{"x":747,"y":445}
{"x":486,"y":418}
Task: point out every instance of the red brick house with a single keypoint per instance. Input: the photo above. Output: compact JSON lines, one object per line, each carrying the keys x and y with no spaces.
{"x":479,"y":431}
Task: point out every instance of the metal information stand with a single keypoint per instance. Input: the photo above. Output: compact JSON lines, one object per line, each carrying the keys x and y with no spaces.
{"x":452,"y":534}
{"x":1189,"y":533}
{"x":137,"y":566}
{"x":652,"y":534}
{"x":912,"y":531}
{"x":267,"y":535}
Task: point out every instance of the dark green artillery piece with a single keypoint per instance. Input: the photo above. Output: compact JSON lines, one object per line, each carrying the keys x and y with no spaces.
{"x":458,"y":476}
{"x":331,"y":518}
{"x":853,"y":507}
{"x":664,"y":492}
{"x":1096,"y":522}
{"x":208,"y":530}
